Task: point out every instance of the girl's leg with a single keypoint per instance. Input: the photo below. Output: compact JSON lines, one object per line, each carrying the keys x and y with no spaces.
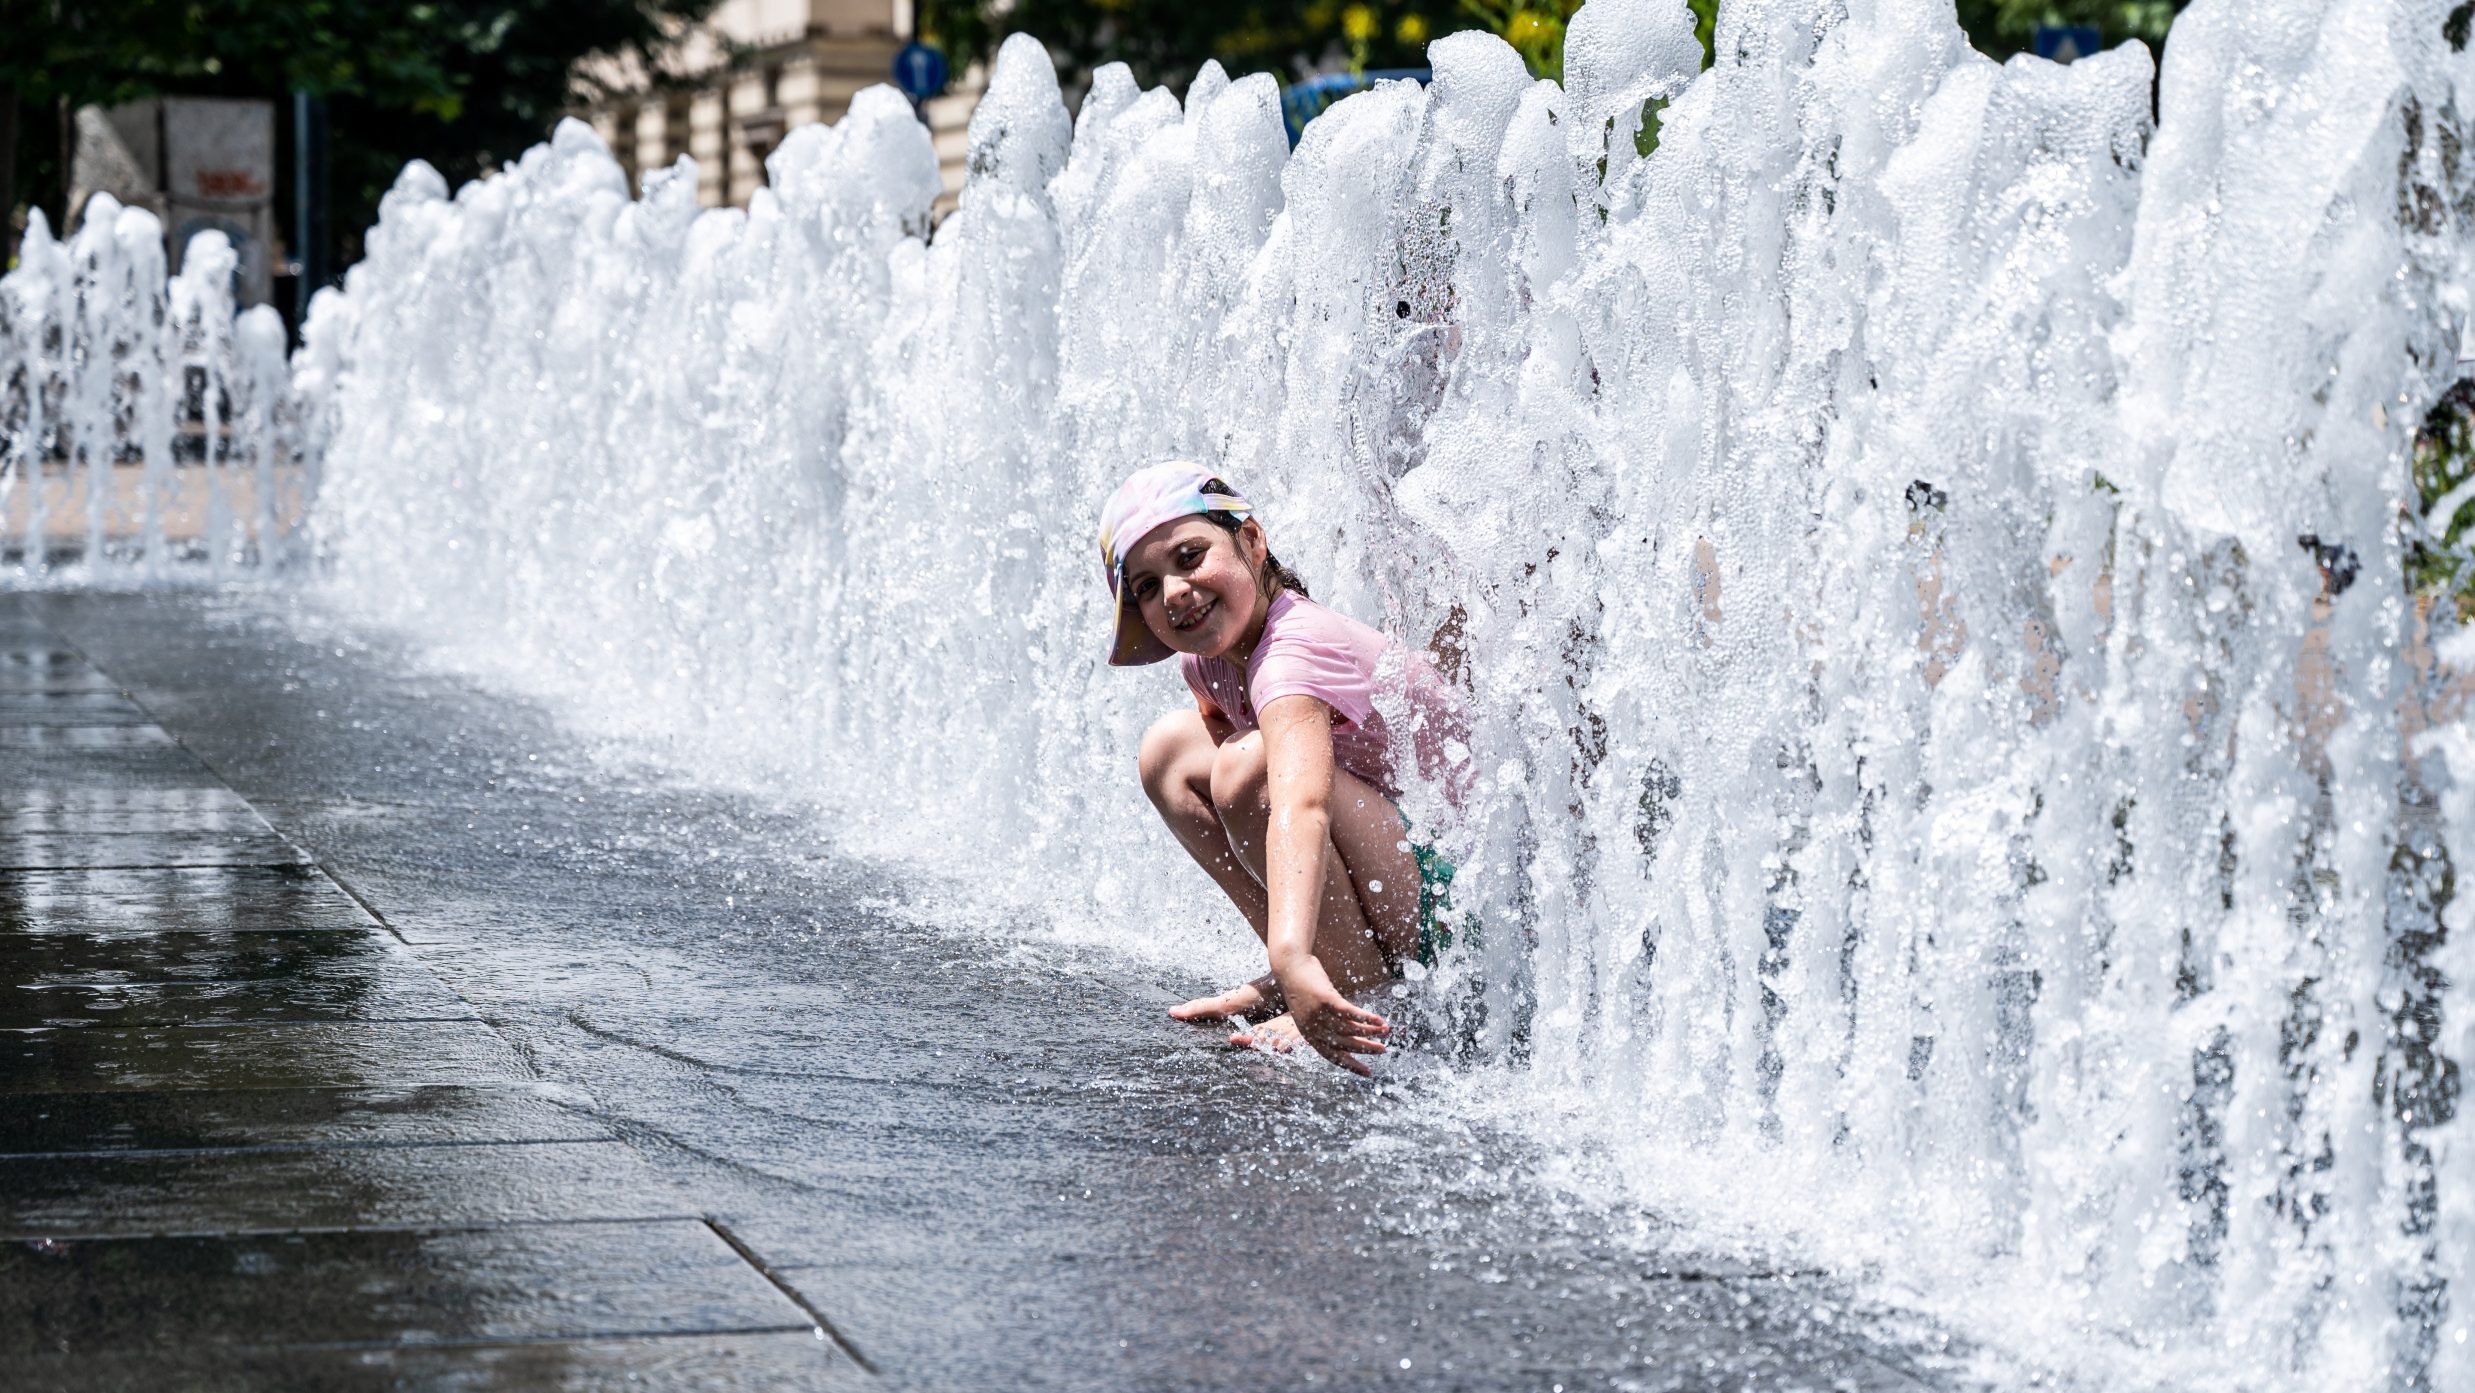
{"x":1370,"y":900}
{"x":1176,"y":764}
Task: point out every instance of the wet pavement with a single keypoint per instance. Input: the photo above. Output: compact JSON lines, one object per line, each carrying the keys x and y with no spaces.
{"x":361,"y":1028}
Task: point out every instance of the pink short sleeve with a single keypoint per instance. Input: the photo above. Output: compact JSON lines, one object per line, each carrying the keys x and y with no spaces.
{"x":1206,"y":691}
{"x":1308,"y":650}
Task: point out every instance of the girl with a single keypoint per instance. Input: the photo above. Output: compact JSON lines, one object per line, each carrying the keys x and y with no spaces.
{"x":1281,"y":781}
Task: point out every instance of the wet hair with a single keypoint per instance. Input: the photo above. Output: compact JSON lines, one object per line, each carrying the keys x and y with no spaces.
{"x":1276,"y":577}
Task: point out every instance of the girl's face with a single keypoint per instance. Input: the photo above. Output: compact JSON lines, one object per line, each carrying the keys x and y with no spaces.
{"x":1194,"y":584}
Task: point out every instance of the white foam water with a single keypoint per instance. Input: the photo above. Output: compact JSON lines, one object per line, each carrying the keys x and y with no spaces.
{"x":150,"y":432}
{"x":1933,"y":808}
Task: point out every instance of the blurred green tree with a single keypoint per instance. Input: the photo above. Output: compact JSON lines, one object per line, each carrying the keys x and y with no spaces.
{"x":460,"y":83}
{"x":2000,"y":28}
{"x":1166,"y":40}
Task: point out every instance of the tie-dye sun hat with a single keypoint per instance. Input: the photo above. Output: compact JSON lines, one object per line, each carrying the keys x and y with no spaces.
{"x":1151,"y":497}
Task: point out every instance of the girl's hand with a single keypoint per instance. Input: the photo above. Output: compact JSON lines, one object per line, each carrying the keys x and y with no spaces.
{"x":1248,"y":1001}
{"x":1338,"y":1030}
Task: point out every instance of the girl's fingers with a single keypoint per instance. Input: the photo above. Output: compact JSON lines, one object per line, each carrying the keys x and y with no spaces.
{"x":1363,"y":1045}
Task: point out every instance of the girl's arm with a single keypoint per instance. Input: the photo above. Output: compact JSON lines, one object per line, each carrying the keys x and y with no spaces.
{"x":1297,"y":748}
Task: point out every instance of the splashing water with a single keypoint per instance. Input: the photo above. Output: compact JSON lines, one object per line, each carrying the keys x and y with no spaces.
{"x":1929,"y":805}
{"x":147,"y":427}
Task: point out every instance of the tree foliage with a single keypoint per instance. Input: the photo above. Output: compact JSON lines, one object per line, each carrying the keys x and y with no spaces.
{"x":460,"y":83}
{"x":466,"y":83}
{"x":1166,"y":40}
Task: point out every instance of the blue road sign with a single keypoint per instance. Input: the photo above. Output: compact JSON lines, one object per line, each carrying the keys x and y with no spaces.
{"x":919,"y":70}
{"x":2066,"y":42}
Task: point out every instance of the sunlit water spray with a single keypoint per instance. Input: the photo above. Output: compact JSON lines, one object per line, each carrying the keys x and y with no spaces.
{"x":1930,"y":808}
{"x":147,"y":433}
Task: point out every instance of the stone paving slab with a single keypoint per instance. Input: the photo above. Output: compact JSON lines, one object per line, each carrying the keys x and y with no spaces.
{"x":288,"y":1118}
{"x":1536,"y":1328}
{"x":211,"y":808}
{"x":78,"y":1059}
{"x":68,"y":829}
{"x":155,"y":900}
{"x":328,"y":996}
{"x":174,"y":956}
{"x":778,"y":1362}
{"x":329,"y":1188}
{"x":70,"y":708}
{"x":83,"y":736}
{"x":249,"y":1140}
{"x":159,"y":766}
{"x":407,"y":1286}
{"x":104,"y":850}
{"x":23,"y":672}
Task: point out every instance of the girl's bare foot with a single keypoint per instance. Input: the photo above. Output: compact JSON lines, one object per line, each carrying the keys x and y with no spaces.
{"x":1248,"y":1001}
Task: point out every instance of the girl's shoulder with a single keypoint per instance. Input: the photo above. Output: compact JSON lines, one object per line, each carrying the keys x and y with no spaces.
{"x":1313,"y":651}
{"x":1295,"y":618}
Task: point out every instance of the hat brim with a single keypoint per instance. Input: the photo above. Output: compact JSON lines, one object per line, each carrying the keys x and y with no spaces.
{"x":1134,"y":644}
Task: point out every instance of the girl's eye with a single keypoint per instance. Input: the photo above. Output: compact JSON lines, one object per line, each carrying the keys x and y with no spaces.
{"x":1145,"y":588}
{"x":1189,"y":556}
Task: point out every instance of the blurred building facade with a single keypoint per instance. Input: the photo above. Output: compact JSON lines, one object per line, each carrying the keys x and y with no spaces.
{"x":738,"y":83}
{"x":198,"y":164}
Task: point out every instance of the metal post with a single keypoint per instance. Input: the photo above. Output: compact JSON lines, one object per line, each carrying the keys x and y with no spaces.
{"x":300,"y":208}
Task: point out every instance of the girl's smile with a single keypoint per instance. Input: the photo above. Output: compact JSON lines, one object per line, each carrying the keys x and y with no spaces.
{"x":1193,"y":615}
{"x":1195,"y":585}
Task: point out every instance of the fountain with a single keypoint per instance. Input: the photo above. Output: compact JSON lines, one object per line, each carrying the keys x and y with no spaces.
{"x":151,"y":433}
{"x":1965,"y":790}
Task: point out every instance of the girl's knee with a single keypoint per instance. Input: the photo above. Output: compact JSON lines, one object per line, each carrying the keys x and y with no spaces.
{"x":1238,"y":771}
{"x":1171,"y":742}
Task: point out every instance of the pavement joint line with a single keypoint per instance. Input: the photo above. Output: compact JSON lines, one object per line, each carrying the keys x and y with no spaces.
{"x":309,"y":857}
{"x":506,"y":1341}
{"x":961,"y":1086}
{"x":130,"y":695}
{"x":823,"y":1326}
{"x":98,"y":984}
{"x":320,"y":1230}
{"x":631,"y":1132}
{"x":527,"y":1085}
{"x":546,"y":1092}
{"x":123,"y":933}
{"x":160,"y":865}
{"x":366,"y":907}
{"x":300,"y":1148}
{"x":306,"y":857}
{"x":9,"y":727}
{"x":107,"y":1024}
{"x":302,"y":864}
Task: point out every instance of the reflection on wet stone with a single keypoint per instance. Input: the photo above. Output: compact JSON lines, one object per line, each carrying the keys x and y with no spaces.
{"x":204,"y":980}
{"x":292,"y":1055}
{"x":388,"y":1183}
{"x":264,"y":1118}
{"x":69,"y":707}
{"x":210,"y":1052}
{"x":426,"y":1286}
{"x":157,"y":900}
